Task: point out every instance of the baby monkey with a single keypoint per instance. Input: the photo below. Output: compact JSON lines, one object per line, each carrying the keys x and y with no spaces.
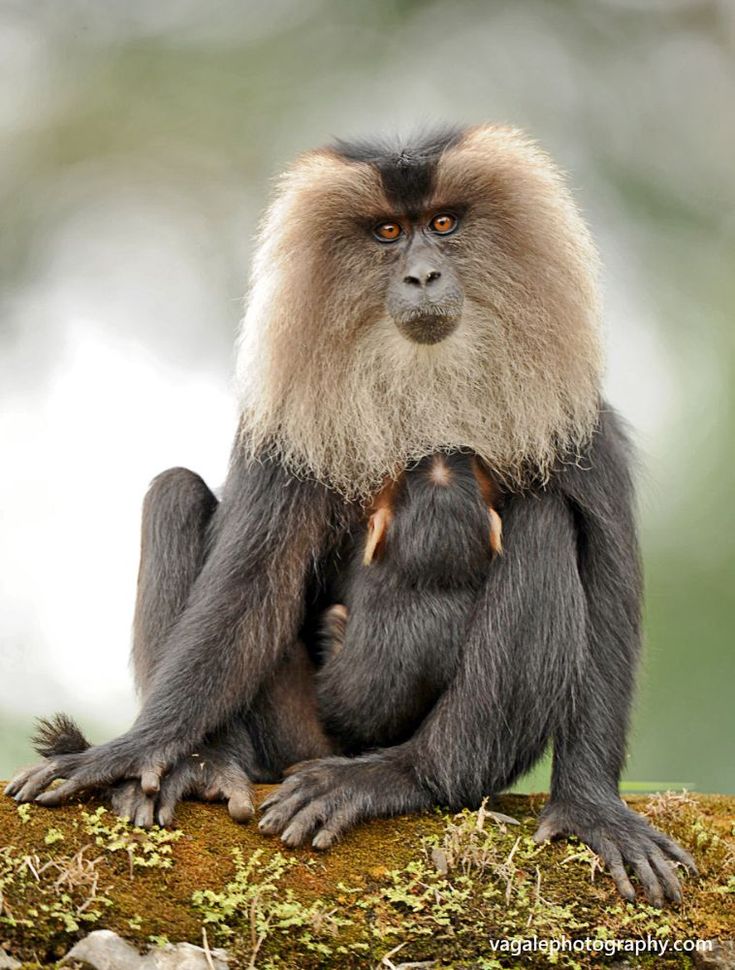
{"x":391,"y":643}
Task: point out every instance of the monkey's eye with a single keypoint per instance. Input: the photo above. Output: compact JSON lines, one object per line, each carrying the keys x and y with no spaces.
{"x":444,"y":223}
{"x":387,"y":231}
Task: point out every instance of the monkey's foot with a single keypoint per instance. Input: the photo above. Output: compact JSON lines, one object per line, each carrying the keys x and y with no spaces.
{"x":207,"y":775}
{"x":92,"y":769}
{"x":211,"y":775}
{"x":322,"y":799}
{"x":624,"y":841}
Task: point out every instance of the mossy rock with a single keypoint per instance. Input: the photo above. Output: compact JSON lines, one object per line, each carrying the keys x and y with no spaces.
{"x":434,"y":888}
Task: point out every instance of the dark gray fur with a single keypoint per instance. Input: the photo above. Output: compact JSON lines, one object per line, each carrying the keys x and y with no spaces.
{"x":409,"y":609}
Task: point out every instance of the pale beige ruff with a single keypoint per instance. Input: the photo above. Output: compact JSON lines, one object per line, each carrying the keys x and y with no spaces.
{"x":329,"y":384}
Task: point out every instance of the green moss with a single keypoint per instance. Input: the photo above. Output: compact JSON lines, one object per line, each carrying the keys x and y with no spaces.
{"x":148,"y":849}
{"x":434,"y":887}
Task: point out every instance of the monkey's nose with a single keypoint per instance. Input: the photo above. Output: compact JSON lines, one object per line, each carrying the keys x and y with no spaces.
{"x":421,"y":275}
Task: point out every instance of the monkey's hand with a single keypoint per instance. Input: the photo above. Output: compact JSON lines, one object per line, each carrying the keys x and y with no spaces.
{"x":211,"y":774}
{"x":322,"y":799}
{"x":624,"y":841}
{"x":97,"y":767}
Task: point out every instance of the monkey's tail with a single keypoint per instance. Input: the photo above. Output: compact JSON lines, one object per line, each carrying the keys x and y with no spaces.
{"x":58,"y":735}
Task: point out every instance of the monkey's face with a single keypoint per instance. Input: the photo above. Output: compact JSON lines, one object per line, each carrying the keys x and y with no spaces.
{"x":424,"y":294}
{"x":411,"y":299}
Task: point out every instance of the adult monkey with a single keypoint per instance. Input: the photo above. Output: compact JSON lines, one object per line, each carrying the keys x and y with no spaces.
{"x":404,"y":301}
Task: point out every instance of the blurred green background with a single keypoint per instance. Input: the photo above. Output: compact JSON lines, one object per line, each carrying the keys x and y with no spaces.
{"x":138,"y":141}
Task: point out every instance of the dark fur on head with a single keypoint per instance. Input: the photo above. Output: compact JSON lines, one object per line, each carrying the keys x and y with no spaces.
{"x":407,"y":167}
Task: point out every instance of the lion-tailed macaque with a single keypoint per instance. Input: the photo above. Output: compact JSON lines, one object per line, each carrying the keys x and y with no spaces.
{"x":432,"y":295}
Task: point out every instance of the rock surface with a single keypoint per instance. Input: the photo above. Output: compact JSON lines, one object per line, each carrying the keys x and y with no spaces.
{"x":105,"y":950}
{"x":80,"y":886}
{"x":721,"y":957}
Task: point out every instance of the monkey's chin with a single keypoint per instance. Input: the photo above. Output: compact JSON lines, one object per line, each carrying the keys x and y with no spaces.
{"x":428,"y":329}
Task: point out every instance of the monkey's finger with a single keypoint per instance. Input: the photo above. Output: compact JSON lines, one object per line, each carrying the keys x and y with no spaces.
{"x":289,"y":784}
{"x":240,"y":805}
{"x":57,"y":796}
{"x":122,"y":800}
{"x":649,"y":880}
{"x":309,"y":778}
{"x":38,"y":780}
{"x":174,"y":787}
{"x":335,"y":827}
{"x":666,"y":875}
{"x":548,"y":829}
{"x":166,"y":815}
{"x":615,"y":866}
{"x":17,"y":781}
{"x":674,"y":851}
{"x":150,"y":779}
{"x":305,"y":822}
{"x":144,"y":812}
{"x":278,"y":816}
{"x":269,"y":802}
{"x":284,"y":790}
{"x":239,"y":794}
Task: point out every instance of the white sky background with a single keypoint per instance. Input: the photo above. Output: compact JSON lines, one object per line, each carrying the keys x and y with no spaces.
{"x":71,"y":511}
{"x":119,"y":364}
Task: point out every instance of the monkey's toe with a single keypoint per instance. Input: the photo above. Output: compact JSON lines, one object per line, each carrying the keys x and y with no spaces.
{"x":626,"y":843}
{"x":240,"y":806}
{"x":129,"y":801}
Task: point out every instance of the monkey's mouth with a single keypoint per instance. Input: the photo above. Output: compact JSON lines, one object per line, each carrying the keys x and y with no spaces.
{"x":428,"y":326}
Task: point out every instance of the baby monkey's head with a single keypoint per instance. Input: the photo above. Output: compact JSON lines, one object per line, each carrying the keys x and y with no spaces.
{"x":437,"y":524}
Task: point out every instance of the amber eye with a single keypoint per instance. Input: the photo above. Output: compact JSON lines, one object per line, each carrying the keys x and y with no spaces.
{"x":388,"y":231}
{"x":443,"y":224}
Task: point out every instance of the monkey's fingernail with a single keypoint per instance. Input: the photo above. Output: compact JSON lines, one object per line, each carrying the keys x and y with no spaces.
{"x":150,"y":782}
{"x":240,"y":807}
{"x":544,"y":832}
{"x":323,"y":840}
{"x":268,"y":825}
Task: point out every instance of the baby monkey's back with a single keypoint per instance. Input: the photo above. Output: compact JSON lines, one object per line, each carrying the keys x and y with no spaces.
{"x":402,"y":615}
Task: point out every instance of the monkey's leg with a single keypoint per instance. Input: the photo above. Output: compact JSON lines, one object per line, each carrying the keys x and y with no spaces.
{"x":177,"y":513}
{"x":177,"y":517}
{"x":283,"y":721}
{"x":589,"y":741}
